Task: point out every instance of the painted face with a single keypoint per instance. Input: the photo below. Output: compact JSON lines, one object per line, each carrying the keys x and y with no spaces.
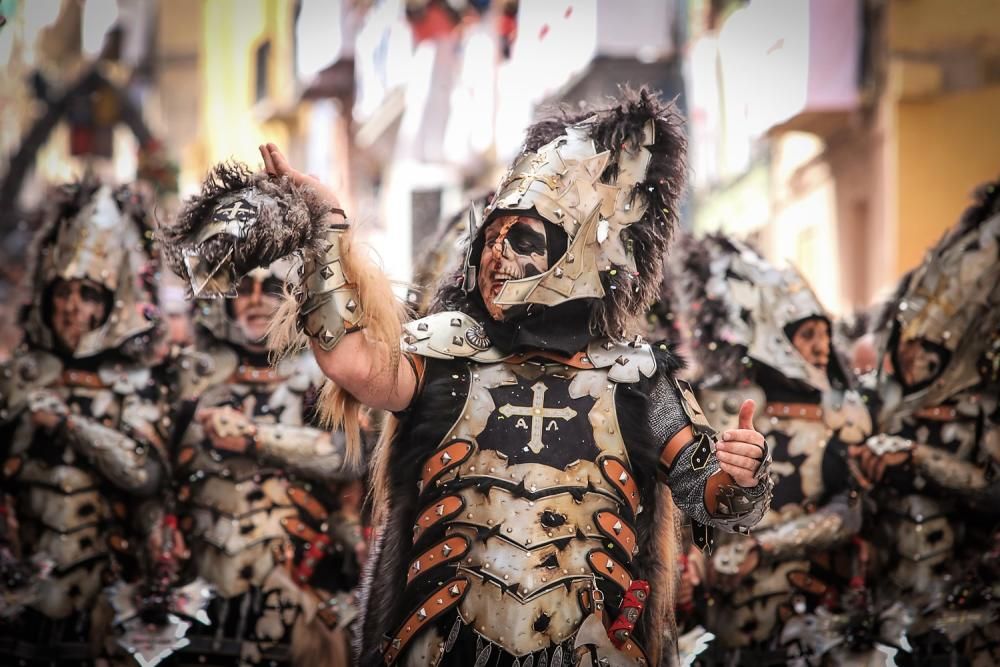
{"x":918,"y":363}
{"x":78,"y":307}
{"x":257,"y":300}
{"x":812,"y":340}
{"x":515,"y":248}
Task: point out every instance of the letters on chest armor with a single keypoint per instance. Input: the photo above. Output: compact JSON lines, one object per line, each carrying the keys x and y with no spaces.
{"x":528,"y":498}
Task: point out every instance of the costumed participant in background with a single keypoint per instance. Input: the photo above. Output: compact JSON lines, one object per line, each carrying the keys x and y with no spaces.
{"x":520,"y":516}
{"x":760,"y":332}
{"x":439,"y":257}
{"x":83,"y":420}
{"x":934,"y":464}
{"x":270,"y":510}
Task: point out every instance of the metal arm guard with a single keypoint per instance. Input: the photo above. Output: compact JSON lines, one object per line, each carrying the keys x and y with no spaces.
{"x":969,"y":481}
{"x":832,"y":524}
{"x":328,"y":303}
{"x":304,"y":450}
{"x":124,"y":462}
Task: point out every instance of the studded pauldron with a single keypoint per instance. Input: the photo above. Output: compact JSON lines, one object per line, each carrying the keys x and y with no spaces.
{"x":328,"y":301}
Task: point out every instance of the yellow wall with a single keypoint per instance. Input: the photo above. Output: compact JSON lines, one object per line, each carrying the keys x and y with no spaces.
{"x":231,"y":31}
{"x":946,"y":147}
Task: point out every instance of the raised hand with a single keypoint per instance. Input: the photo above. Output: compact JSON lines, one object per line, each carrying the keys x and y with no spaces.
{"x":276,"y":164}
{"x":741,"y":451}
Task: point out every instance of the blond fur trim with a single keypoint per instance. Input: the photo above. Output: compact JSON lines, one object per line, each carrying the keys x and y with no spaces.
{"x":381,"y":323}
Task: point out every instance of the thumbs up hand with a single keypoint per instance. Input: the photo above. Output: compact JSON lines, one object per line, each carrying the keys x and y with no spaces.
{"x":741,"y":451}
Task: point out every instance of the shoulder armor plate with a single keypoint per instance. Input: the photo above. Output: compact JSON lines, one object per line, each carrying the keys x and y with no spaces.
{"x":626,"y":362}
{"x":22,"y":374}
{"x":449,"y":335}
{"x":203,"y":369}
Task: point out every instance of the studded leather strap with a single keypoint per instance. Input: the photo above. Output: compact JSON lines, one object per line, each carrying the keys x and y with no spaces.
{"x":304,"y":500}
{"x":807,"y":411}
{"x":446,"y":551}
{"x":438,"y":511}
{"x":443,"y":460}
{"x":618,"y":531}
{"x":609,"y":568}
{"x":619,"y":476}
{"x":677,"y":442}
{"x":433,"y":606}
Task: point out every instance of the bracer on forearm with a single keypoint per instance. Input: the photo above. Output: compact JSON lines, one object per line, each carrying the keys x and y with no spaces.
{"x":329,"y":306}
{"x":829,"y":526}
{"x":305,"y":450}
{"x":125,"y":462}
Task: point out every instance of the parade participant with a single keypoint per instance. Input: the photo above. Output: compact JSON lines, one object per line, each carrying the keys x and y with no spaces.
{"x":759,"y":331}
{"x":260,"y":487}
{"x":519,"y":514}
{"x":937,"y":454}
{"x":82,"y":419}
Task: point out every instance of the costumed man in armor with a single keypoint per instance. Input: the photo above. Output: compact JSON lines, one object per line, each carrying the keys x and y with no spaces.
{"x":935,"y":460}
{"x":269,"y":508}
{"x":759,"y":331}
{"x":520,"y":518}
{"x":83,"y":422}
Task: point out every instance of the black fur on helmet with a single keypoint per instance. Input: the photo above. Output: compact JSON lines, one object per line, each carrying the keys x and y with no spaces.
{"x":627,"y":297}
{"x":288,"y":219}
{"x":720,"y":363}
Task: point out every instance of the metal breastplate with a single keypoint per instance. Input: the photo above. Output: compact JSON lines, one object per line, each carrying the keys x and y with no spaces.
{"x":240,"y":511}
{"x":528,"y":498}
{"x":64,"y":507}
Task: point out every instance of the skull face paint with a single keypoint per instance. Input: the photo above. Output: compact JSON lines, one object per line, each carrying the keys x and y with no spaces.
{"x":78,"y":307}
{"x":515,"y":248}
{"x":812,"y":340}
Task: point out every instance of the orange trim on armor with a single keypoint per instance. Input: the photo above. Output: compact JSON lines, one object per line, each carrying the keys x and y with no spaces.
{"x":937,"y":413}
{"x":804,"y":581}
{"x":12,"y":466}
{"x":246,"y":374}
{"x":609,"y":568}
{"x":185,"y":455}
{"x":674,"y":446}
{"x":443,"y":509}
{"x":306,"y":501}
{"x":298,"y":528}
{"x":436,"y":604}
{"x":445,"y":551}
{"x":618,"y":475}
{"x":579,"y":360}
{"x":90,"y":379}
{"x":634,"y":651}
{"x":618,"y":531}
{"x":444,"y":459}
{"x":807,"y":411}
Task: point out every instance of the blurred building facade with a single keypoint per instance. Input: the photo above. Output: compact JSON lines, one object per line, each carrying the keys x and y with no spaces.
{"x":843,"y":135}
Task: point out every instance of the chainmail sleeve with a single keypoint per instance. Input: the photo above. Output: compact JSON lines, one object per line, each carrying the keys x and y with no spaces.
{"x":688,"y":464}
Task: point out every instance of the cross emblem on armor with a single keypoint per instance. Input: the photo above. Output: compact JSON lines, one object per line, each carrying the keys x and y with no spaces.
{"x":538,"y":412}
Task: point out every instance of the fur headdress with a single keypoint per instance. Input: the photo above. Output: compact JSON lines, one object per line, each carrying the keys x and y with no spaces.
{"x":93,"y":231}
{"x":950,"y":301}
{"x":611,"y":178}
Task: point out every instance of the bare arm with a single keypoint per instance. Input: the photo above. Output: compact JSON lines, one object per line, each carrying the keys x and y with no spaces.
{"x":358,"y":357}
{"x":354,"y":365}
